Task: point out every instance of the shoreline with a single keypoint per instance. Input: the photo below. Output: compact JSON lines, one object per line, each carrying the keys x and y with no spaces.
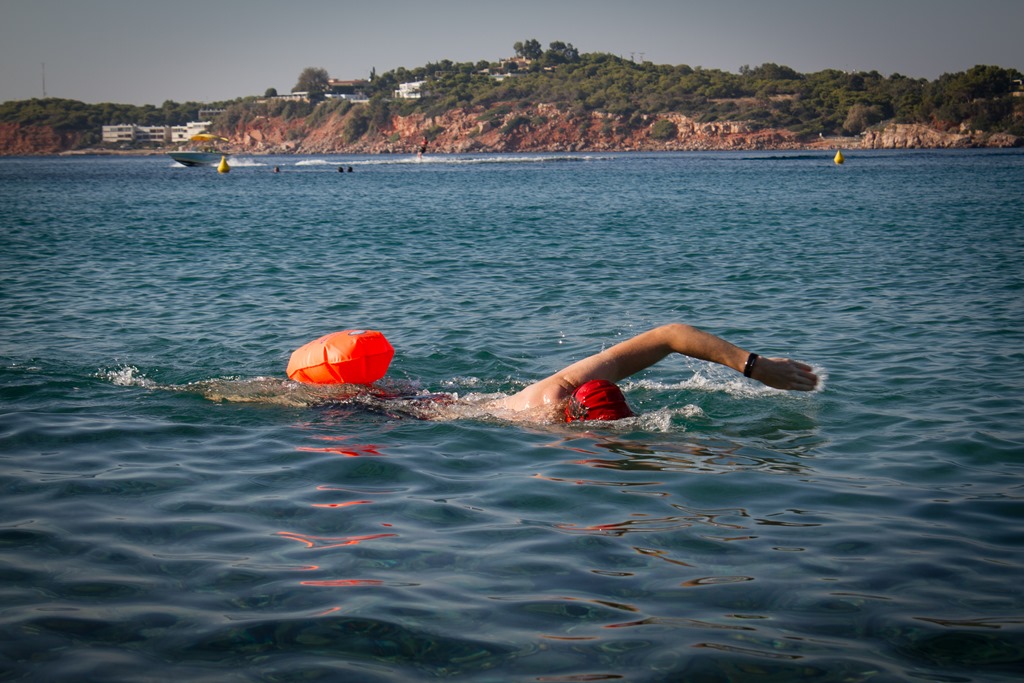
{"x":824,"y":149}
{"x":822,"y":145}
{"x":461,"y":132}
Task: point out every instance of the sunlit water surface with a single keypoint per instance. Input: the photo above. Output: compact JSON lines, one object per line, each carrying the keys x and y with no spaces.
{"x":173,"y":507}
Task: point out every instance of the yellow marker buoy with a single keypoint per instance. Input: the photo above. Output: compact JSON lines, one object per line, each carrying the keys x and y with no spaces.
{"x":839,"y":157}
{"x":223,"y":167}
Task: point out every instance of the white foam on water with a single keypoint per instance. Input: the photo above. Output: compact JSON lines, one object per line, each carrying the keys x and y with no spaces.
{"x":455,"y":160}
{"x":245,"y":162}
{"x":126,"y":376}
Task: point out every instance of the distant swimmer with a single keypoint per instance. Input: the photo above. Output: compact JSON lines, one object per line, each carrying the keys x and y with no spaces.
{"x":586,"y":389}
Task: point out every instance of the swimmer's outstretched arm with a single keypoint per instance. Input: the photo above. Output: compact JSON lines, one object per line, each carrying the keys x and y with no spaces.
{"x":644,"y":350}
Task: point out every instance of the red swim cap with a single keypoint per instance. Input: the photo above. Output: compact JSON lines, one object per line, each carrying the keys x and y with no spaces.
{"x":597,"y":399}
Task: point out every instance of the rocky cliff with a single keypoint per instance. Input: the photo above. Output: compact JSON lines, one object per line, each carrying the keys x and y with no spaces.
{"x":916,"y":136}
{"x":18,"y":140}
{"x":537,"y":128}
{"x":544,"y":128}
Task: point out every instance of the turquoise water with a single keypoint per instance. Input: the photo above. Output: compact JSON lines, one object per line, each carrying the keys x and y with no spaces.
{"x":172,"y":507}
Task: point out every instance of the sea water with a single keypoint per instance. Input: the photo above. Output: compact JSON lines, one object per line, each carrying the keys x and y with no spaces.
{"x":173,"y":507}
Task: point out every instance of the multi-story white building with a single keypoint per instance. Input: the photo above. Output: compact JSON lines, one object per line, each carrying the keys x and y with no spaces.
{"x":185,"y":133}
{"x":153,"y":134}
{"x":409,"y":91}
{"x":156,"y":134}
{"x":118,"y":133}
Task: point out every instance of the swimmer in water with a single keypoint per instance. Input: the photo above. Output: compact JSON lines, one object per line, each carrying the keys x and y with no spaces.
{"x":586,"y":389}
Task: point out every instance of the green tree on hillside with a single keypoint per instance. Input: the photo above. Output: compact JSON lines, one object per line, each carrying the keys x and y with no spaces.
{"x":529,"y":49}
{"x":312,"y":80}
{"x":561,"y":53}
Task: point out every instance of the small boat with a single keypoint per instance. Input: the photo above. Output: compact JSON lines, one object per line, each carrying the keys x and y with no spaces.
{"x":197,"y":158}
{"x":207,"y":156}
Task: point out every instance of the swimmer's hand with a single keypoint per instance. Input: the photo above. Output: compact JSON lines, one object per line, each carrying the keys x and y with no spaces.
{"x":783,"y":373}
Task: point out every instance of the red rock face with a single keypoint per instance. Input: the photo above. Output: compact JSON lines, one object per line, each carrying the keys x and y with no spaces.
{"x":544,"y":128}
{"x":913,"y":135}
{"x":537,"y":128}
{"x":18,"y":140}
{"x":541,"y":128}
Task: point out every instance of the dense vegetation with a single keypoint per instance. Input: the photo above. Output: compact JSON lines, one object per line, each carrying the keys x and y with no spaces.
{"x":828,"y":102}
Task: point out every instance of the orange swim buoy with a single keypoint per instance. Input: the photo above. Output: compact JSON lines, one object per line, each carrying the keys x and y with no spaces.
{"x":346,"y":357}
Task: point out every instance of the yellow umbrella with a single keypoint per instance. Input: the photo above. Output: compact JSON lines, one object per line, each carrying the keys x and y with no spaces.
{"x":205,"y":137}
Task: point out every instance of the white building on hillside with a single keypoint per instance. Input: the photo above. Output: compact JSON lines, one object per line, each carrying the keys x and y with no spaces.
{"x":131,"y":133}
{"x":118,"y":133}
{"x":135,"y":133}
{"x":409,"y":91}
{"x":185,"y":133}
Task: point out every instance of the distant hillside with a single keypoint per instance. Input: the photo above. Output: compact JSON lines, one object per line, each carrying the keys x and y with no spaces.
{"x":769,"y":96}
{"x":561,"y":100}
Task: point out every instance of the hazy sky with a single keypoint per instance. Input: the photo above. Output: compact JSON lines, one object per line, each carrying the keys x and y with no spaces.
{"x":149,"y":51}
